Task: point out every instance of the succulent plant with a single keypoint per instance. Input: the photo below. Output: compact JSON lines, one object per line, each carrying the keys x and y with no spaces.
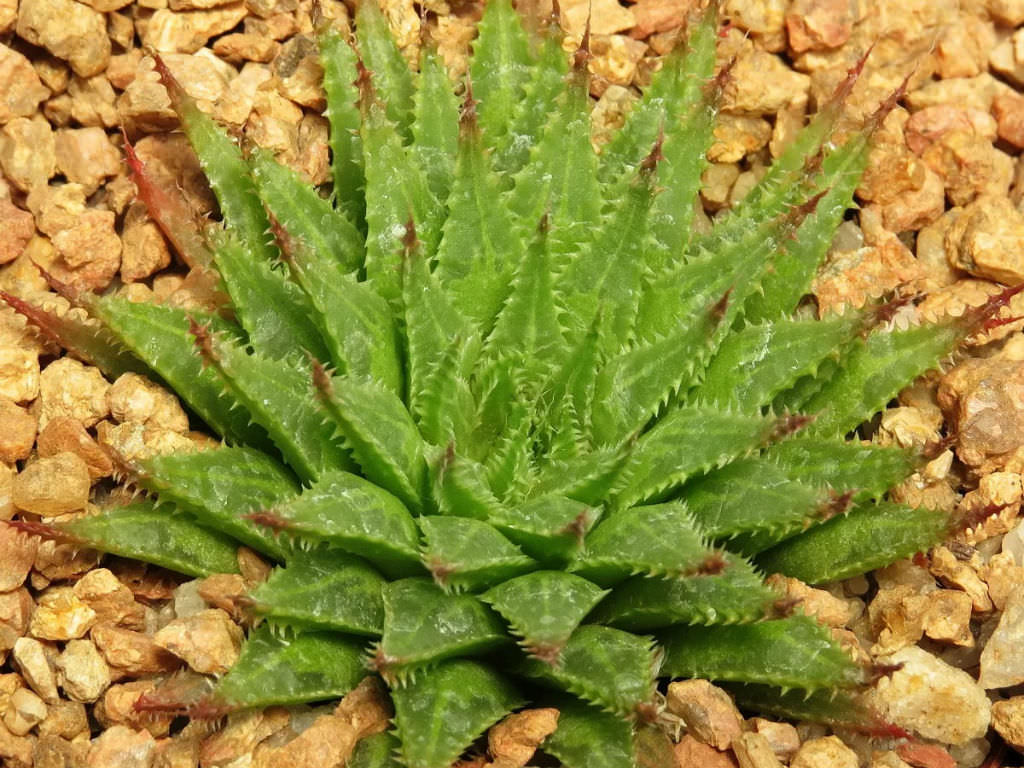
{"x":513,"y":429}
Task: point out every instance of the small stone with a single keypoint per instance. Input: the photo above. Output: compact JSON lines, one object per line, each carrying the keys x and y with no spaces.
{"x":60,"y":615}
{"x":25,"y":711}
{"x":64,"y":434}
{"x":987,"y":240}
{"x":752,"y":750}
{"x":69,"y":30}
{"x":1002,"y":659}
{"x":121,"y":746}
{"x":144,"y":249}
{"x":86,"y":156}
{"x":16,"y":750}
{"x":708,"y":711}
{"x":83,"y":674}
{"x":224,"y":590}
{"x":970,"y":92}
{"x":240,"y":735}
{"x":15,"y":611}
{"x":1003,"y":576}
{"x":513,"y":741}
{"x":1008,"y":721}
{"x":57,"y":561}
{"x":19,"y":373}
{"x":737,"y":136}
{"x":19,"y":431}
{"x":53,"y":486}
{"x":616,"y":60}
{"x":931,"y":698}
{"x":91,"y":249}
{"x":969,"y":166}
{"x":18,"y":227}
{"x":30,"y":657}
{"x":66,"y":720}
{"x":20,"y":87}
{"x":208,"y":642}
{"x":763,"y":19}
{"x":690,"y":753}
{"x":1006,"y":59}
{"x":762,"y":84}
{"x":133,"y":441}
{"x":112,"y":601}
{"x":6,"y":491}
{"x":1008,"y":109}
{"x":929,"y":125}
{"x":819,"y":25}
{"x":241,"y":46}
{"x":947,"y":617}
{"x":239,"y":97}
{"x":93,"y":101}
{"x":170,"y":32}
{"x":17,"y":554}
{"x":606,"y":17}
{"x":827,"y":752}
{"x":131,"y":653}
{"x":27,"y":152}
{"x":851,"y":278}
{"x":117,"y":707}
{"x":71,"y":388}
{"x":8,"y":15}
{"x":946,"y":567}
{"x":1008,"y":12}
{"x":135,"y":399}
{"x":781,"y":737}
{"x":824,"y":607}
{"x":979,"y":396}
{"x":929,"y":756}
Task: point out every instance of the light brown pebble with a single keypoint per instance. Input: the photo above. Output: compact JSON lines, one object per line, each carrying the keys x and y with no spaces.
{"x":20,"y":87}
{"x":136,"y":399}
{"x":25,"y":711}
{"x":690,"y":753}
{"x":144,"y":249}
{"x":53,"y":486}
{"x":30,"y":659}
{"x":121,"y":746}
{"x":90,"y":251}
{"x":512,"y":742}
{"x":987,"y":240}
{"x":781,"y":737}
{"x":1002,"y":659}
{"x":61,"y":615}
{"x":1008,"y":109}
{"x":209,"y":642}
{"x":71,"y":388}
{"x":93,"y":101}
{"x":819,"y":25}
{"x":752,"y":750}
{"x":17,"y":750}
{"x":708,"y":711}
{"x":82,"y":672}
{"x":18,"y":227}
{"x":65,"y":434}
{"x":19,"y":373}
{"x":15,"y":610}
{"x":86,"y":156}
{"x":240,"y":735}
{"x":17,"y":554}
{"x":947,"y":617}
{"x":827,"y":752}
{"x":240,"y":46}
{"x":130,"y":653}
{"x":118,"y":707}
{"x":223,"y":590}
{"x":67,"y":29}
{"x":171,"y":32}
{"x":28,"y":152}
{"x":946,"y":567}
{"x":65,"y":719}
{"x":112,"y":601}
{"x":931,"y":698}
{"x":824,"y":607}
{"x":18,"y":433}
{"x":1008,"y":721}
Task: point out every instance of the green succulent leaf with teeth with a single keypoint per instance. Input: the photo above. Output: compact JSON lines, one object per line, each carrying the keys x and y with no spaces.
{"x":509,"y":428}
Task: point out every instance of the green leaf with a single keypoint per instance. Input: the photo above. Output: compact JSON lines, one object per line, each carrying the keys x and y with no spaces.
{"x":345,"y":510}
{"x":424,"y":624}
{"x":687,"y":442}
{"x":324,"y":589}
{"x":339,"y":63}
{"x":466,"y":554}
{"x":870,"y":536}
{"x":789,"y":653}
{"x":158,"y":536}
{"x":376,"y":751}
{"x":821,"y":706}
{"x":218,"y":487}
{"x":544,"y":608}
{"x":392,"y":78}
{"x":589,"y":738}
{"x":736,"y":594}
{"x":500,"y":67}
{"x":605,"y":666}
{"x":436,"y":127}
{"x":440,"y":714}
{"x":549,"y":529}
{"x":308,"y":667}
{"x":278,"y":396}
{"x":460,"y":487}
{"x":866,"y":469}
{"x":380,"y":433}
{"x":656,"y":540}
{"x":160,"y":336}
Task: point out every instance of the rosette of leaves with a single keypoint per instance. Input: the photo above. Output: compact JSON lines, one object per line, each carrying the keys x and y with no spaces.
{"x":512,"y":428}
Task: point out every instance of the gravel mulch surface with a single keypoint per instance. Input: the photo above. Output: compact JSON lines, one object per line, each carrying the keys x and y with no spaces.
{"x":82,"y":637}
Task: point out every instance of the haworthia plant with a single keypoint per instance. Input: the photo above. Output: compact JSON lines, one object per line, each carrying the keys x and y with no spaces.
{"x":512,"y":432}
